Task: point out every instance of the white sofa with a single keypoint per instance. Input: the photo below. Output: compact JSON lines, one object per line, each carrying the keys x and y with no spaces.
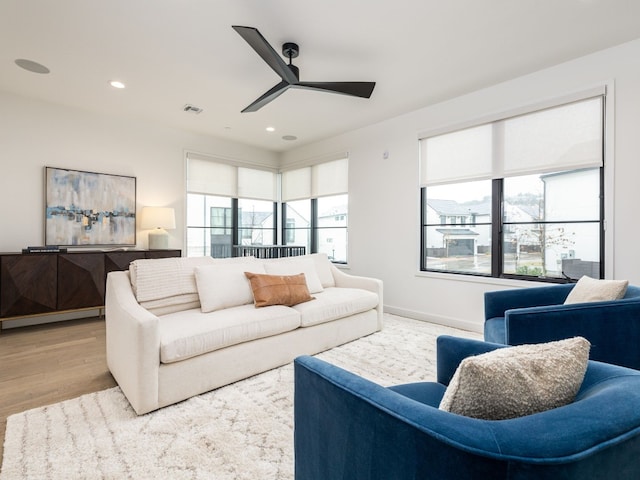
{"x":178,"y":327}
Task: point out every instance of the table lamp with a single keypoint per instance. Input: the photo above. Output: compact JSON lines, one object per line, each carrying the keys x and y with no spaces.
{"x":157,"y":219}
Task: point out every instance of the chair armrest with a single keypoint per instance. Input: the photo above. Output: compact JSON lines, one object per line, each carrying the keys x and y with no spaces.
{"x":452,"y":350}
{"x":612,"y":327}
{"x":133,"y":344}
{"x":496,"y":303}
{"x":347,"y":427}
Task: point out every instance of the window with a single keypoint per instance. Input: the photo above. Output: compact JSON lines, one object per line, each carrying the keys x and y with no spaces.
{"x":228,"y":205}
{"x":297,"y":229}
{"x":521,"y":197}
{"x":316,"y":206}
{"x":331,"y":227}
{"x":256,"y":222}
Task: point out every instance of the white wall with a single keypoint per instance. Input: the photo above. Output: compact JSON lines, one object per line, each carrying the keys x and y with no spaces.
{"x":384,"y":194}
{"x":34,"y":134}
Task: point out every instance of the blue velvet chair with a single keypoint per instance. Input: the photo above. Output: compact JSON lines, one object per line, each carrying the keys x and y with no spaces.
{"x":349,"y":428}
{"x":537,"y":315}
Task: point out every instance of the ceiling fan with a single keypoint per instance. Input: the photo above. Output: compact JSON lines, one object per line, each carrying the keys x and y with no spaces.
{"x":290,"y":74}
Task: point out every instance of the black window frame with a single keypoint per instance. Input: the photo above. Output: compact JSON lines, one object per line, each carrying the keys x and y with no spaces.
{"x":313,"y":227}
{"x":234,"y":227}
{"x":497,"y":235}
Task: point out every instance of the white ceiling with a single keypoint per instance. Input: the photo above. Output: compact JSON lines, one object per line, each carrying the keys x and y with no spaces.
{"x":173,"y":52}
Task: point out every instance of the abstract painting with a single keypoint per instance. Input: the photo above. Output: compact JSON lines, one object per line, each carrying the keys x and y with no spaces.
{"x":89,"y":209}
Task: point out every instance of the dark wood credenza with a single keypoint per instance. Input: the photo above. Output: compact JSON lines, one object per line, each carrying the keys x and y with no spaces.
{"x":33,"y":284}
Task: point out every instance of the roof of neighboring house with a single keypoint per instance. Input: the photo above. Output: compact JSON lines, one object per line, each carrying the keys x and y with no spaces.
{"x":451,"y":207}
{"x":254,"y":218}
{"x":456,"y":231}
{"x":334,"y":210}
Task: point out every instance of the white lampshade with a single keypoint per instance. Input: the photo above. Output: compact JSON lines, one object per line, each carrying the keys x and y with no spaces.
{"x":158,"y":218}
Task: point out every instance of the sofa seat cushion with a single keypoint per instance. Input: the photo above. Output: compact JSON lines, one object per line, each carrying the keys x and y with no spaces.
{"x":333,"y":303}
{"x":190,"y":333}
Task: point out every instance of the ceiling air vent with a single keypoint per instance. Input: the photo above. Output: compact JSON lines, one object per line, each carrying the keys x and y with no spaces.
{"x":192,"y":109}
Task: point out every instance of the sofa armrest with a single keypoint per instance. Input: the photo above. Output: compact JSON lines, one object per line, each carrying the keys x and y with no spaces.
{"x":344,"y":280}
{"x":450,"y":351}
{"x":499,"y":301}
{"x":612,"y":327}
{"x":133,"y":344}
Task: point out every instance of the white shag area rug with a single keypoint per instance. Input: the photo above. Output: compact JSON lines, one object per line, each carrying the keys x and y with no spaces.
{"x":241,"y":431}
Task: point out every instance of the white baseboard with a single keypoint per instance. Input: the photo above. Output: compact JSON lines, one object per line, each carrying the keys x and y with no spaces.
{"x":50,"y":318}
{"x":439,"y":319}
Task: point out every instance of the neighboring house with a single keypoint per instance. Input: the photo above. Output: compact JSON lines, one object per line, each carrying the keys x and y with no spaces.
{"x":465,"y":228}
{"x":458,"y":233}
{"x":573,"y":248}
{"x":332,"y":232}
{"x":251,"y":231}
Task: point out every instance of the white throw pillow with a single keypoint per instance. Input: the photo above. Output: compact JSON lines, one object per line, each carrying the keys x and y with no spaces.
{"x":591,"y":290}
{"x":323,"y":269}
{"x":516,"y":381}
{"x":225,"y":285}
{"x":294,"y":266}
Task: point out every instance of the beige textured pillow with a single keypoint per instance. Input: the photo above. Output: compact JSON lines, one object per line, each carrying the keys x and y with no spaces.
{"x":591,"y":290}
{"x":516,"y":381}
{"x":286,"y":290}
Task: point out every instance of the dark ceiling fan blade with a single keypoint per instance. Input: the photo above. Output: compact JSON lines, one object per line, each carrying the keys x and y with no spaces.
{"x":356,"y":89}
{"x":272,"y":94}
{"x":255,"y":39}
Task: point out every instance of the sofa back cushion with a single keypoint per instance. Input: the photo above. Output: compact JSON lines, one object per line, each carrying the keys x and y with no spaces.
{"x":167,"y":285}
{"x":294,"y":266}
{"x":323,"y":269}
{"x":225,"y":286}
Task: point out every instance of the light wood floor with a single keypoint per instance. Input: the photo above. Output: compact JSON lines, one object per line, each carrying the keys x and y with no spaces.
{"x":46,"y":364}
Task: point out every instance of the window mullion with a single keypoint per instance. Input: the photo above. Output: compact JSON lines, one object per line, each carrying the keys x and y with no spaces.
{"x":314,"y":225}
{"x":497,"y":231}
{"x":235,"y":225}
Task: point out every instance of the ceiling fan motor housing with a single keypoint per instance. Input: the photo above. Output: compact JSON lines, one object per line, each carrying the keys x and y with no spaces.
{"x":290,"y":50}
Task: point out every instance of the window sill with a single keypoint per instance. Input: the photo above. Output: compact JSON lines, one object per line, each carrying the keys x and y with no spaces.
{"x":505,"y":282}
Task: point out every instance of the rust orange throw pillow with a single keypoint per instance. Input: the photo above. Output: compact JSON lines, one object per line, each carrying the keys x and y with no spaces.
{"x":286,"y":290}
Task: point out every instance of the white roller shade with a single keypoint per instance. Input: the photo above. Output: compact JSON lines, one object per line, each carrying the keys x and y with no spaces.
{"x":458,"y":156}
{"x":296,"y":184}
{"x":321,"y":180}
{"x":568,"y":137}
{"x":212,"y":178}
{"x":330,"y":178}
{"x":256,"y":184}
{"x":565,"y":137}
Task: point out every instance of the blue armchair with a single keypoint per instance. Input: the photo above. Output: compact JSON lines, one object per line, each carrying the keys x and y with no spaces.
{"x":537,"y":315}
{"x":348,"y":428}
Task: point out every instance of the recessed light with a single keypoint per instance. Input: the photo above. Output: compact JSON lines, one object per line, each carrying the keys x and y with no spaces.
{"x":31,"y":66}
{"x":289,"y":137}
{"x":116,"y":84}
{"x":270,"y":129}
